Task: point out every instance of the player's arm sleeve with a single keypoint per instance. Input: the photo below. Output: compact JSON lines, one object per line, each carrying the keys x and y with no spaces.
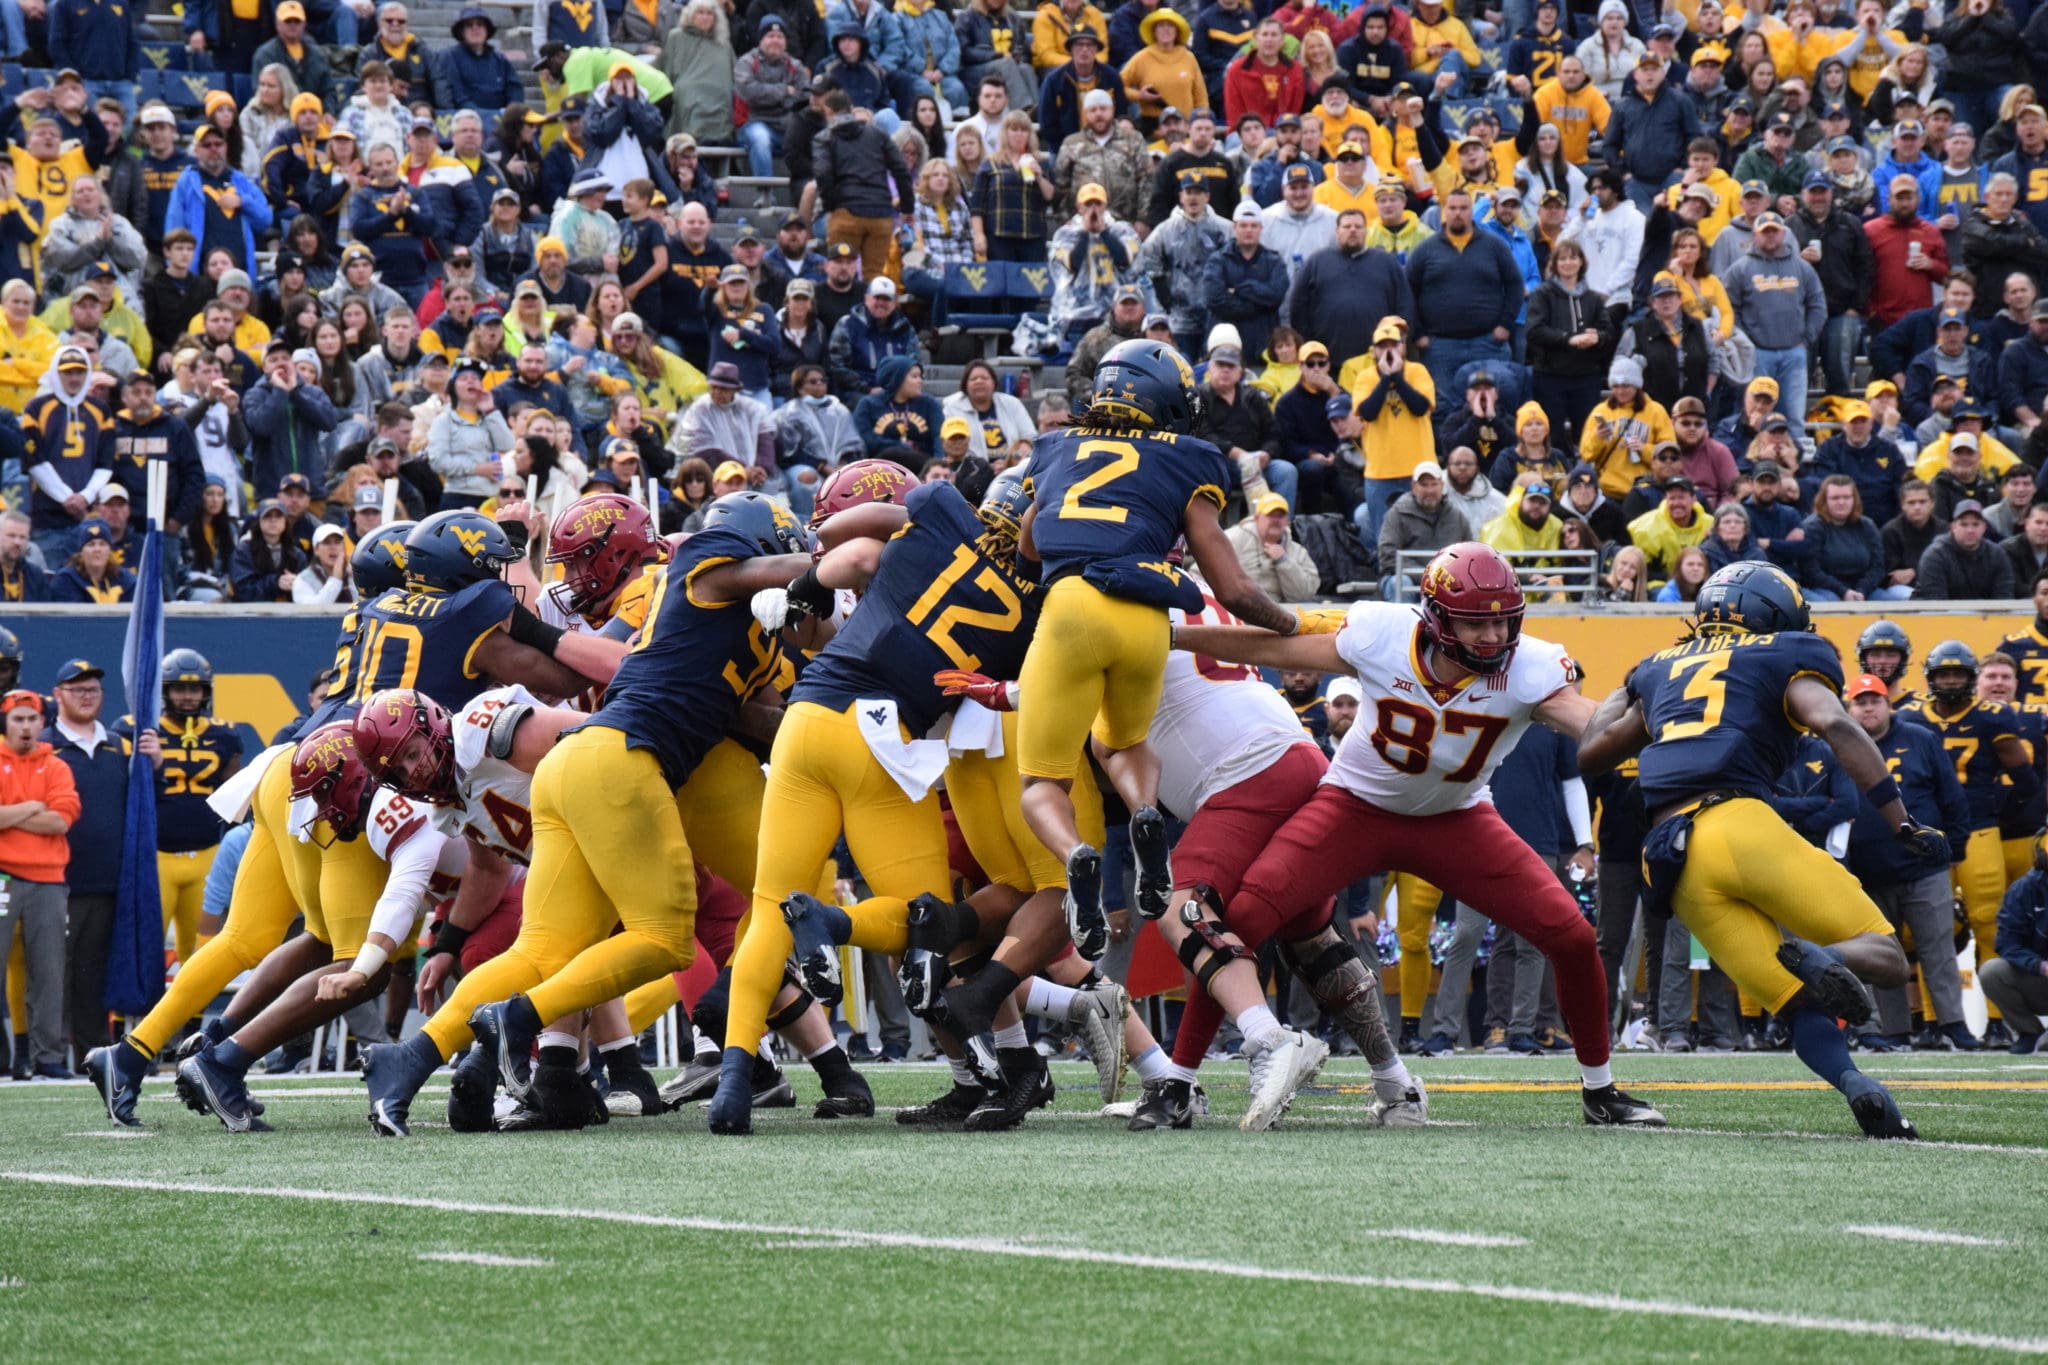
{"x":412,"y":867}
{"x":1578,"y":808}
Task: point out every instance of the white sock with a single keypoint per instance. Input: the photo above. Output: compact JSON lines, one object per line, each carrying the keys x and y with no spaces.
{"x":821,"y":1049}
{"x":1257,"y":1024}
{"x":1176,"y":1072}
{"x":1396,"y":1070}
{"x":1596,"y":1077}
{"x":1152,"y":1064}
{"x":700,"y":1045}
{"x":961,"y":1075}
{"x":560,"y":1040}
{"x":1012,"y":1035}
{"x":615,"y":1044}
{"x":1049,"y":999}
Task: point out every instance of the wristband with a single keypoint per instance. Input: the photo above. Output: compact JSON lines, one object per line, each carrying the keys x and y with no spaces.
{"x":515,"y":531}
{"x":1882,"y":792}
{"x":369,"y":958}
{"x":448,"y":938}
{"x":810,"y":596}
{"x":529,"y":629}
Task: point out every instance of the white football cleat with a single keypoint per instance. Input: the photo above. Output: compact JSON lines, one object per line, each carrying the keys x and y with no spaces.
{"x":1397,"y":1104}
{"x":1278,"y":1069}
{"x":1099,"y":1012}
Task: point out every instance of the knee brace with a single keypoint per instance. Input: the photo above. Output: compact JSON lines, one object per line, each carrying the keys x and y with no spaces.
{"x":794,"y":1010}
{"x":1205,"y":951}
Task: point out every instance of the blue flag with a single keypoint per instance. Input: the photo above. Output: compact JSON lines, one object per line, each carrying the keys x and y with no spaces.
{"x":135,"y":953}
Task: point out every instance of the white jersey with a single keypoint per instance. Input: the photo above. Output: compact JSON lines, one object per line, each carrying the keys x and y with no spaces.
{"x":402,"y":834}
{"x":1217,"y":725}
{"x":1419,"y":749}
{"x":497,"y":799}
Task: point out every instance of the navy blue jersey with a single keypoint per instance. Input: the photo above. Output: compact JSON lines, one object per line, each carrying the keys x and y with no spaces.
{"x":1927,"y":785}
{"x":2029,"y":652}
{"x":426,"y":638}
{"x":1111,"y":504}
{"x":2022,"y":818}
{"x":1971,"y":738}
{"x":693,"y":664}
{"x":198,"y":755}
{"x":340,"y":701}
{"x":936,"y":602}
{"x":1715,"y":706}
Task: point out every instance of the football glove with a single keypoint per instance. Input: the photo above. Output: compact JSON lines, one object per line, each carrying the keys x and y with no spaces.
{"x":446,"y":937}
{"x":1320,"y":620}
{"x":1924,"y":842}
{"x":776,"y":608}
{"x":993,"y":693}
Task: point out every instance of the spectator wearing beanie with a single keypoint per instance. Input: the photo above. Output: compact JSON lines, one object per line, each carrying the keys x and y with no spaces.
{"x":1622,"y":430}
{"x":1584,"y":500}
{"x":38,"y":803}
{"x":98,"y":760}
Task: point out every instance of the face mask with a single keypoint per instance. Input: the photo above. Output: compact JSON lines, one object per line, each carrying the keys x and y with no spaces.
{"x":817,"y":400}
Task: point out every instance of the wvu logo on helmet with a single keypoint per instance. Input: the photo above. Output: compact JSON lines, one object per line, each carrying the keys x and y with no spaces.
{"x":469,"y":537}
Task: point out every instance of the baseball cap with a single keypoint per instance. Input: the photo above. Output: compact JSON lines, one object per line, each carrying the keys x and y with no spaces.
{"x":527,"y":289}
{"x":733,"y":272}
{"x":1553,"y":197}
{"x":1269,"y":502}
{"x":1742,"y":104}
{"x":1711,"y":52}
{"x":1583,"y":472}
{"x":1755,"y":187}
{"x":1479,"y":379}
{"x":628,"y":322}
{"x":881,"y":287}
{"x":1777,"y":421}
{"x":1648,"y":59}
{"x":1228,"y":355}
{"x":1194,"y":180}
{"x":327,"y":530}
{"x":1426,"y":469}
{"x":1878,"y":386}
{"x":1908,"y":128}
{"x":1903,"y":182}
{"x":1768,"y":220}
{"x":1387,"y":189}
{"x":78,"y":670}
{"x":1130,"y":293}
{"x":1298,"y":174}
{"x":1854,"y":410}
{"x":1953,"y":317}
{"x":1336,"y":407}
{"x":1963,"y":440}
{"x":1342,"y":688}
{"x":800,"y":287}
{"x":839,"y":251}
{"x":1766,"y":471}
{"x":1864,"y":685}
{"x":291,"y":9}
{"x":955,"y":426}
{"x":423,"y":124}
{"x":1170,"y":112}
{"x":1844,"y":143}
{"x":1534,"y":485}
{"x":1689,"y":406}
{"x":1680,"y":481}
{"x":574,"y":106}
{"x":72,"y":358}
{"x":157,"y":113}
{"x":1310,"y":350}
{"x":589,"y":182}
{"x":1663,"y":284}
{"x":1154,"y":321}
{"x":1700,"y":192}
{"x":1092,"y":193}
{"x":508,"y":194}
{"x":1817,"y":180}
{"x":1779,"y":122}
{"x":1968,"y":507}
{"x":1247,"y":212}
{"x":384,"y":445}
{"x":114,"y":492}
{"x":1390,"y":329}
{"x":1764,"y":386}
{"x":730,"y":469}
{"x":1289,"y":120}
{"x":297,"y":481}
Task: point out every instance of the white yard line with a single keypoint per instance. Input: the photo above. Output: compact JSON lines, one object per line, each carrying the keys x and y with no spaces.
{"x":1898,"y":1234}
{"x":1601,"y":1303}
{"x":481,"y":1258}
{"x":115,"y":1133}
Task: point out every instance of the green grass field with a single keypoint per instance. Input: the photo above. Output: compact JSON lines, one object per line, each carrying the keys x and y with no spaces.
{"x":1506,"y":1231}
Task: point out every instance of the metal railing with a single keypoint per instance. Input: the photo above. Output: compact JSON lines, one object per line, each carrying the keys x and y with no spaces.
{"x":1554,"y":576}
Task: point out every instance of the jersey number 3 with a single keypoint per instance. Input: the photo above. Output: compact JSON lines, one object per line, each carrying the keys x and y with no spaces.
{"x":1707,"y":687}
{"x":1405,"y":732}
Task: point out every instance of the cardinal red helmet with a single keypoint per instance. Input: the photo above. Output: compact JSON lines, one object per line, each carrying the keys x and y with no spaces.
{"x":1472,"y":582}
{"x":601,"y":541}
{"x":327,"y":770}
{"x":860,"y":483}
{"x":387,"y":725}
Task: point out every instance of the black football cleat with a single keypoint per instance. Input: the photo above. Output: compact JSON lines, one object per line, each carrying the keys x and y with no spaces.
{"x":1152,"y":852}
{"x":949,"y":1110}
{"x":473,"y":1092}
{"x":1030,"y":1087}
{"x":1087,"y":925}
{"x":1877,"y":1113}
{"x":207,"y":1087}
{"x":1166,"y":1103}
{"x":846,"y":1097}
{"x":566,"y":1097}
{"x":1609,"y":1107}
{"x":505,"y":1033}
{"x":117,"y":1072}
{"x":817,"y":930}
{"x":214,"y":1030}
{"x":630,"y":1092}
{"x":696,"y":1081}
{"x":1832,"y":987}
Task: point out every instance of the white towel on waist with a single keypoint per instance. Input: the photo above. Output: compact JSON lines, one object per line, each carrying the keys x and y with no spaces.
{"x":975,"y":728}
{"x":232,"y":799}
{"x":915,"y":764}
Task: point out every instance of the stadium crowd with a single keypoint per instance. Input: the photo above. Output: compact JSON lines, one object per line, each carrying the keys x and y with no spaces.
{"x":1648,"y":292}
{"x":1669,"y":289}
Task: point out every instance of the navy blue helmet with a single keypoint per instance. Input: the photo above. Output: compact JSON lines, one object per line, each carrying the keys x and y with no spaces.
{"x":379,"y":561}
{"x":187,"y":666}
{"x":451,"y":550}
{"x":1147,"y":384}
{"x":1951,"y":657}
{"x":1884,"y":635}
{"x":762,"y":520}
{"x":1752,"y":596}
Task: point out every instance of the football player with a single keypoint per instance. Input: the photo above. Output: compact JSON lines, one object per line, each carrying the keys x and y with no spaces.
{"x":2028,"y":649}
{"x":849,"y":757}
{"x":608,"y":846}
{"x":1994,"y":765}
{"x":1446,"y":697}
{"x":196,"y":754}
{"x":2019,"y":819}
{"x":368,"y":906}
{"x":1111,"y":496}
{"x":1884,"y":651}
{"x":1715,"y":719}
{"x":277,"y":874}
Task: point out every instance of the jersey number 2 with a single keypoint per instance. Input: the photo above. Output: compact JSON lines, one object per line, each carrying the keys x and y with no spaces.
{"x":1124,"y":461}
